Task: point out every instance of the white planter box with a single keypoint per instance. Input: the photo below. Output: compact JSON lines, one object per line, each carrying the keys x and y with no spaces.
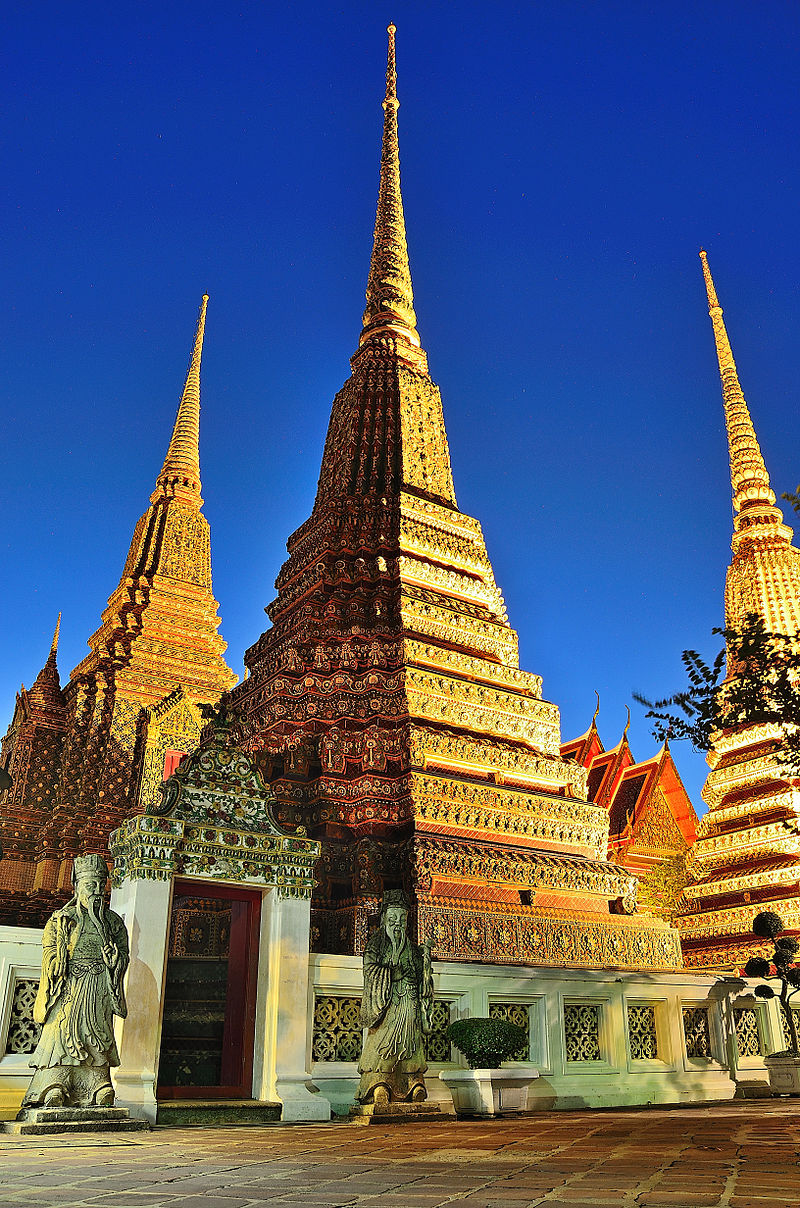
{"x":784,"y":1074}
{"x":489,"y":1092}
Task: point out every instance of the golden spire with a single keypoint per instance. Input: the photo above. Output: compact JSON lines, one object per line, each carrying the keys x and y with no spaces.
{"x":46,"y":688}
{"x":54,"y":643}
{"x":749,"y":477}
{"x":390,"y":299}
{"x":180,"y":473}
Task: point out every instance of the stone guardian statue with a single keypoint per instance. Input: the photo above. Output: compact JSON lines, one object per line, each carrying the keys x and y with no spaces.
{"x":84,"y":958}
{"x":396,"y":1009}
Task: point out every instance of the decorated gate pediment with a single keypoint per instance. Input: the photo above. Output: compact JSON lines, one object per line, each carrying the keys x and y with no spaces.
{"x":215,"y":820}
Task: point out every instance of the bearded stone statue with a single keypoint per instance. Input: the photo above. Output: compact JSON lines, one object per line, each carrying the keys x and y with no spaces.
{"x":396,"y":1009}
{"x":84,"y":958}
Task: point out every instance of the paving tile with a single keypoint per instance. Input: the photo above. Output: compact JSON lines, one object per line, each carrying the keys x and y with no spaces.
{"x":206,"y":1201}
{"x":677,"y":1199}
{"x":765,"y":1201}
{"x":119,"y":1198}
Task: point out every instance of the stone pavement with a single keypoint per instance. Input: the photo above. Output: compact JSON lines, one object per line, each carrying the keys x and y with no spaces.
{"x":742,"y":1155}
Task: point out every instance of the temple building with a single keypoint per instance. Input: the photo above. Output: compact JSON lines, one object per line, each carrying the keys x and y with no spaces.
{"x":385,"y":737}
{"x":84,"y":757}
{"x":387,"y":701}
{"x":652,"y":823}
{"x":747,"y":855}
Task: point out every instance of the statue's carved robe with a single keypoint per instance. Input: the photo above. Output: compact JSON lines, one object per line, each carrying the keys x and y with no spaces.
{"x":396,"y":1008}
{"x":80,"y":992}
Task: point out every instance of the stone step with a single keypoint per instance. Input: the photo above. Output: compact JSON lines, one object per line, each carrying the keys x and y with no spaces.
{"x":395,"y":1113}
{"x":211,"y":1112}
{"x":33,"y":1128}
{"x":46,"y":1115}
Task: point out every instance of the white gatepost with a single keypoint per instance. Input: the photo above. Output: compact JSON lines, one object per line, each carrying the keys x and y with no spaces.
{"x":145,"y":908}
{"x":279,"y":1069}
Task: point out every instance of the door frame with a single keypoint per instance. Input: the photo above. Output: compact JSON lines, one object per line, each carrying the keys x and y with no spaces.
{"x":240,"y":1009}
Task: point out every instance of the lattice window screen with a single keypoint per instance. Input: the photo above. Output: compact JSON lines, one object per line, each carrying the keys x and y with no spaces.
{"x":518,"y":1013}
{"x":786,"y":1033}
{"x":337,"y":1028}
{"x":642,"y":1032}
{"x":748,"y":1037}
{"x":437,"y":1046}
{"x":697,"y":1032}
{"x":582,"y":1032}
{"x":23,"y":1033}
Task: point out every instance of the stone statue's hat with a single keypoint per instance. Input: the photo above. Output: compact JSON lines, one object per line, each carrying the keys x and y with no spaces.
{"x":89,"y":866}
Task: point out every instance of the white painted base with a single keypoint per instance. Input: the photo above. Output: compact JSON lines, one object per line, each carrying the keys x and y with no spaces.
{"x":618,"y":1078}
{"x":784,"y":1074}
{"x":489,"y":1092}
{"x":301,"y":1102}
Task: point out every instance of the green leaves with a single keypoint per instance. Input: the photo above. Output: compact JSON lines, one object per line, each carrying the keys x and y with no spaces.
{"x":757,"y":966}
{"x":761,"y":687}
{"x":486,"y":1042}
{"x":767,"y":924}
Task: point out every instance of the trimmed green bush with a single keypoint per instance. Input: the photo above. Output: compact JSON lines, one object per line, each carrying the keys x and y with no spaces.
{"x":487,"y":1042}
{"x":769,"y":926}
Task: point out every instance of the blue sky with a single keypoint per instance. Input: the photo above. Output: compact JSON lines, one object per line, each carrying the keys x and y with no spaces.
{"x":562,"y":166}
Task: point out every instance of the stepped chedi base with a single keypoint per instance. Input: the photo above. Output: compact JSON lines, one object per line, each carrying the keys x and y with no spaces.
{"x":747,"y":855}
{"x":386,"y":701}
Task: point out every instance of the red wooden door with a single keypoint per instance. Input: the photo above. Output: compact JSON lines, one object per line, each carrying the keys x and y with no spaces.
{"x":208,"y":1024}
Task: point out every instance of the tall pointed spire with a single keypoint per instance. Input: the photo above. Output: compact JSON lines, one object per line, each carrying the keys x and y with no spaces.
{"x":46,"y":688}
{"x":180,"y":473}
{"x":764,"y":576}
{"x":749,"y":477}
{"x":390,"y":299}
{"x":54,"y":643}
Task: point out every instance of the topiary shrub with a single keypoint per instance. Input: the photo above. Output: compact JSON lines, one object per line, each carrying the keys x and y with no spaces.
{"x":486,"y":1042}
{"x":768,"y":926}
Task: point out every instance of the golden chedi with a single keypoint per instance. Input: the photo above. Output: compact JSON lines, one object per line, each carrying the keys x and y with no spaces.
{"x":747,"y":855}
{"x":84,"y":758}
{"x":386,"y":698}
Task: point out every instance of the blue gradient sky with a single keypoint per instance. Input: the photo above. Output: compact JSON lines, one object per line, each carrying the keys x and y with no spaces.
{"x":562,"y":165}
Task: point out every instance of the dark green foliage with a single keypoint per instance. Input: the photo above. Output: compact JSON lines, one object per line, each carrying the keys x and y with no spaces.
{"x":767,"y":924}
{"x":761,"y":688}
{"x":486,"y":1042}
{"x":757,"y":966}
{"x":793,"y":498}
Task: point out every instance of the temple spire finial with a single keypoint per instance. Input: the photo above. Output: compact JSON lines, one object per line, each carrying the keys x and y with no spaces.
{"x":54,"y":643}
{"x":389,"y":317}
{"x":627,"y":723}
{"x":180,"y":473}
{"x":749,"y":477}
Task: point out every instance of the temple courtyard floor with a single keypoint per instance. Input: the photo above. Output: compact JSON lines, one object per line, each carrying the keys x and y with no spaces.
{"x":740,"y":1155}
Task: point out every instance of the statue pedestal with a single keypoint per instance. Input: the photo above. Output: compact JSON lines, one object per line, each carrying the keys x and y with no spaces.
{"x":394,"y":1113}
{"x":40,"y":1121}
